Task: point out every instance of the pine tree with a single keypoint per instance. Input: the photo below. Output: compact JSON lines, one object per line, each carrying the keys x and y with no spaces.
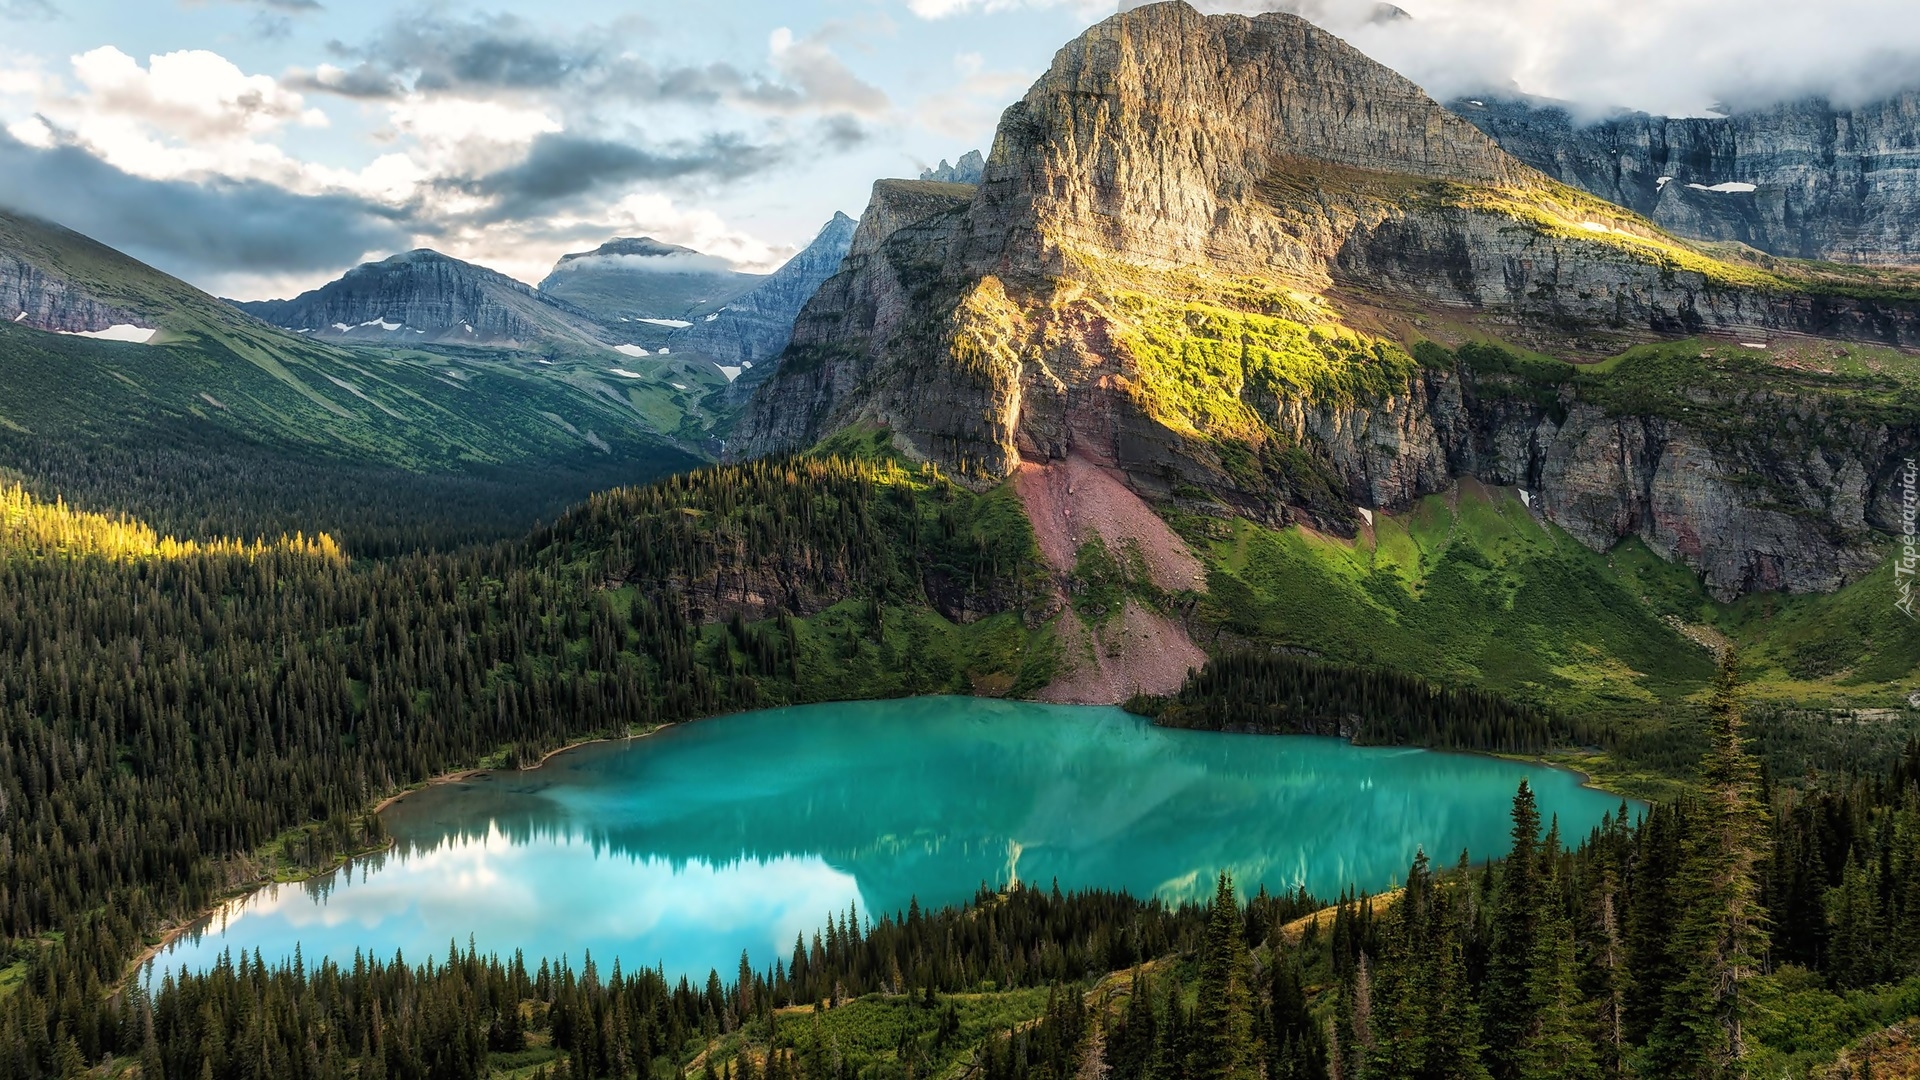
{"x":1557,"y":1045}
{"x":1721,"y":934}
{"x":1507,"y":1003}
{"x":1298,"y":1050}
{"x":1423,"y":1021}
{"x":1093,"y":1055}
{"x":1223,"y":1010}
{"x":1170,"y":1053}
{"x":1133,"y":1044}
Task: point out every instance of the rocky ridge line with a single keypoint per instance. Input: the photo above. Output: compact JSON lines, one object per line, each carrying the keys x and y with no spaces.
{"x":1169,"y":158}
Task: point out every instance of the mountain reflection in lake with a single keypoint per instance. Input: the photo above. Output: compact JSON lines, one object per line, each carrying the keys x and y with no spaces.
{"x":684,"y":848}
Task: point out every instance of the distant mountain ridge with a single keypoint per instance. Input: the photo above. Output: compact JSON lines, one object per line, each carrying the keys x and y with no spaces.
{"x":425,"y":297}
{"x":55,"y":279}
{"x":753,"y":328}
{"x":224,"y":421}
{"x":1802,"y":179}
{"x":630,"y":279}
{"x":968,"y":171}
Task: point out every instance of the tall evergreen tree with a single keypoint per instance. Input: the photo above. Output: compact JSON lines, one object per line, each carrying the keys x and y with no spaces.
{"x":1721,"y":933}
{"x":1557,"y":1044}
{"x":1507,"y":1002}
{"x":1223,"y":1011}
{"x":1424,"y":1025}
{"x":1298,"y":1050}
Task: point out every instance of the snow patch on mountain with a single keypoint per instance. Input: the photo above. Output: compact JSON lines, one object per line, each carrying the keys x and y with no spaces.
{"x":139,"y":335}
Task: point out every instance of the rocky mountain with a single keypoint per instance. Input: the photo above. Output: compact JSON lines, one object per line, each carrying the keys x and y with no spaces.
{"x":422,"y":297}
{"x":1802,"y":179}
{"x":971,"y":166}
{"x":754,"y":327}
{"x":224,"y":391}
{"x":644,"y":280}
{"x":1220,"y":256}
{"x":55,"y":279}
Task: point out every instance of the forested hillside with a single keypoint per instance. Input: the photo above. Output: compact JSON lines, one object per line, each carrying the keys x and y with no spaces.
{"x":173,"y":709}
{"x":1752,"y":930}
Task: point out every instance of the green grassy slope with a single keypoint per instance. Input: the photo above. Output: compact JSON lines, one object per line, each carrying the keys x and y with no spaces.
{"x":1471,"y":588}
{"x":198,"y":438}
{"x":1466,"y":588}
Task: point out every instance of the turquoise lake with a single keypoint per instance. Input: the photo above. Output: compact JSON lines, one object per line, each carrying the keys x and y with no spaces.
{"x":683,"y":848}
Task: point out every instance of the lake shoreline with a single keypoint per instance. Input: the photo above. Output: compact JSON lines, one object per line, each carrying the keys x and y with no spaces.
{"x":169,"y":937}
{"x":245,"y":892}
{"x":459,"y":775}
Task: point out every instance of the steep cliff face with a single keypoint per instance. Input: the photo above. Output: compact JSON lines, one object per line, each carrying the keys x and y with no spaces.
{"x":1757,"y":475}
{"x":753,"y":328}
{"x":33,"y":297}
{"x":424,"y":296}
{"x":1176,"y":264}
{"x":858,"y":317}
{"x":1801,"y":179}
{"x":54,"y":279}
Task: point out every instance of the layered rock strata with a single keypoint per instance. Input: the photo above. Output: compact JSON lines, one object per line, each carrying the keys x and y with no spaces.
{"x":1155,"y":269}
{"x":1803,"y":179}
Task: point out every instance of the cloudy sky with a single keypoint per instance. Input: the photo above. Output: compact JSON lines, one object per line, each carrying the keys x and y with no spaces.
{"x":260,"y":147}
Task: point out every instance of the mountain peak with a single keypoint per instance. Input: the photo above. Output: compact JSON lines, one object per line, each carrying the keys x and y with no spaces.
{"x":968,"y":171}
{"x":1089,"y":156}
{"x":755,"y":327}
{"x":423,"y":296}
{"x":1204,"y":243}
{"x":645,"y":246}
{"x":640,"y":277}
{"x":1747,"y":178}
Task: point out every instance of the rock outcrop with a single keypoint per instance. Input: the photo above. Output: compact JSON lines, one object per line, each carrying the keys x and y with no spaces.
{"x":423,"y":296}
{"x":754,"y":328}
{"x":972,"y":165}
{"x":1802,"y":179}
{"x":32,"y":297}
{"x":1757,"y":484}
{"x":39,"y":288}
{"x":1176,"y":264}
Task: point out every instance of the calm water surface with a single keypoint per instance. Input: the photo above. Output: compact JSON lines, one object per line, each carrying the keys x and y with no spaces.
{"x":686,"y":847}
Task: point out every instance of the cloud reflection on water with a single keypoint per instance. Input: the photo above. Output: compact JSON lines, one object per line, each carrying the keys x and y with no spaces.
{"x":686,"y":847}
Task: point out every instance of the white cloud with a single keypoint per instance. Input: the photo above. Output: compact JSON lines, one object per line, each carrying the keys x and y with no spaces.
{"x":193,"y":94}
{"x":656,"y":215}
{"x":34,"y":131}
{"x":969,"y":109}
{"x":1658,"y":55}
{"x":528,"y":251}
{"x":941,"y":9}
{"x":1663,"y":56}
{"x":195,"y":115}
{"x":453,"y":136}
{"x":678,"y":262}
{"x":187,"y":114}
{"x":815,"y":78}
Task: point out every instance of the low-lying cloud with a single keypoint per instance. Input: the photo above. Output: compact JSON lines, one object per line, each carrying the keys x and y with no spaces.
{"x":678,"y":262}
{"x":487,"y":54}
{"x":562,"y":166}
{"x":208,"y":233}
{"x":1661,"y":56}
